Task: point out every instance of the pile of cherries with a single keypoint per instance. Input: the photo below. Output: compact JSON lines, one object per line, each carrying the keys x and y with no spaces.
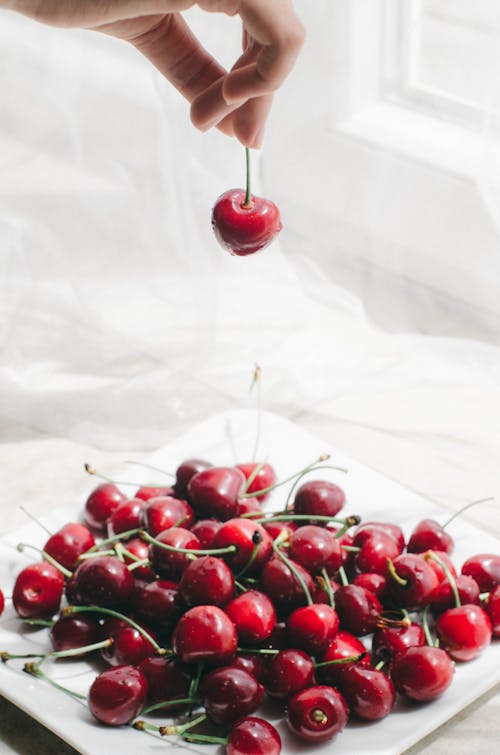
{"x":199,"y":604}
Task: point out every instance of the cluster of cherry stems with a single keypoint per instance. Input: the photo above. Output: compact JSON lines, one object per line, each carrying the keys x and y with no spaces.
{"x":199,"y":602}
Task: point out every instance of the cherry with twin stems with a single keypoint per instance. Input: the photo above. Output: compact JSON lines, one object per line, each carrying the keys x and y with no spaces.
{"x":258,"y":477}
{"x":317,"y":714}
{"x":117,"y":695}
{"x":411,"y":581}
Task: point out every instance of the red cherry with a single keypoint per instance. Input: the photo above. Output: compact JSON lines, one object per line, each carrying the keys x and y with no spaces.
{"x":369,"y":693}
{"x":68,"y":543}
{"x":249,"y":506}
{"x":443,"y":597}
{"x":280,"y":529}
{"x":319,"y":497}
{"x":374,"y":554}
{"x":146,"y":492}
{"x":251,"y":541}
{"x":230,"y":693}
{"x":429,"y":556}
{"x":185,"y":471}
{"x":387,"y":529}
{"x":253,"y":736}
{"x":422,"y":673}
{"x":265,"y":478}
{"x":254,"y":616}
{"x":485,"y":569}
{"x":344,"y":645}
{"x":164,"y":512}
{"x":158,"y":603}
{"x":38,"y":591}
{"x":215,"y":492}
{"x":312,"y":628}
{"x":243,"y":229}
{"x":254,"y":663}
{"x":390,"y":641}
{"x":129,"y":645}
{"x":140,"y":549}
{"x":358,"y":609}
{"x":205,"y":634}
{"x":414,"y":583}
{"x":375,"y":583}
{"x":207,"y":580}
{"x":206,"y":530}
{"x":117,"y":695}
{"x":492,"y":608}
{"x":126,"y":517}
{"x":167,"y":680}
{"x":320,"y":593}
{"x":283,"y":587}
{"x":464,"y":631}
{"x":170,"y":564}
{"x":315,"y":548}
{"x":103,"y":581}
{"x":101,"y":503}
{"x":288,"y":672}
{"x":317,"y":714}
{"x":429,"y":535}
{"x":74,"y":631}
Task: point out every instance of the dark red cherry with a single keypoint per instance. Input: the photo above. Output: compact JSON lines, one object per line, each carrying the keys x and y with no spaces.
{"x":250,"y":506}
{"x":254,"y":663}
{"x":317,"y":714}
{"x":243,"y":228}
{"x":375,"y":583}
{"x":164,"y":512}
{"x":422,"y":673}
{"x":117,"y":695}
{"x":103,"y":581}
{"x":464,"y":631}
{"x":485,"y":569}
{"x":253,"y":736}
{"x":126,"y":517}
{"x":167,"y":680}
{"x":129,"y":645}
{"x":207,"y":580}
{"x":230,"y":693}
{"x":170,"y":564}
{"x":443,"y":598}
{"x":315,"y":548}
{"x":369,"y":693}
{"x":374,"y":554}
{"x":492,"y":608}
{"x":344,"y":645}
{"x":206,"y":530}
{"x":68,"y":543}
{"x":288,"y":672}
{"x":254,"y":616}
{"x":312,"y":628}
{"x":146,"y":492}
{"x":319,"y":497}
{"x":158,"y":604}
{"x":265,"y":478}
{"x":282,"y":586}
{"x":387,"y":529}
{"x":185,"y":471}
{"x":429,"y":535}
{"x":205,"y":634}
{"x":38,"y":591}
{"x":439,"y":565}
{"x":415,"y":583}
{"x":279,"y":529}
{"x":320,"y":593}
{"x":390,"y":641}
{"x":140,"y":549}
{"x":253,"y":544}
{"x":358,"y":609}
{"x":101,"y":503}
{"x":2,"y":602}
{"x":74,"y":631}
{"x":215,"y":492}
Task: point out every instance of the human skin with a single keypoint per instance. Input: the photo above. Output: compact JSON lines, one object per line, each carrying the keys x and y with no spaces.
{"x":237,"y":101}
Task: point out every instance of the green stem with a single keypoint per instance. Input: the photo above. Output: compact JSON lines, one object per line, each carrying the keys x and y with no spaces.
{"x":295,"y":573}
{"x":205,"y":738}
{"x":91,"y":471}
{"x":201,"y":552}
{"x":258,"y":651}
{"x":392,"y":571}
{"x":179,"y":730}
{"x":114,"y":539}
{"x":38,"y":622}
{"x":425,"y":627}
{"x":328,"y":587}
{"x":343,"y":577}
{"x":464,"y":508}
{"x":254,"y":474}
{"x":167,"y":704}
{"x":247,"y":204}
{"x":310,"y":468}
{"x":341,"y":661}
{"x":5,"y":656}
{"x":256,"y":539}
{"x":33,"y":670}
{"x":350,"y":521}
{"x":195,"y":681}
{"x":110,"y":612}
{"x":255,"y":381}
{"x":430,"y":555}
{"x":65,"y":572}
{"x":93,"y":554}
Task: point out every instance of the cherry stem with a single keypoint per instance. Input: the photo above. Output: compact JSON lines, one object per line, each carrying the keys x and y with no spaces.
{"x":6,"y":656}
{"x":202,"y":552}
{"x":380,"y":665}
{"x":350,"y":521}
{"x":37,"y":521}
{"x":167,"y":704}
{"x":252,"y":477}
{"x":205,"y":738}
{"x":464,"y":508}
{"x":311,"y":468}
{"x":122,"y":552}
{"x":179,"y":730}
{"x":425,"y":627}
{"x":247,"y":204}
{"x":34,"y":670}
{"x":343,"y":577}
{"x":120,"y":536}
{"x":256,"y":376}
{"x":341,"y":661}
{"x":431,"y":556}
{"x":258,"y":651}
{"x":351,"y":548}
{"x":150,"y":466}
{"x":93,"y":554}
{"x":38,"y":622}
{"x":77,"y":651}
{"x":139,"y":563}
{"x":256,"y":540}
{"x":386,"y":620}
{"x":392,"y":571}
{"x":195,"y":682}
{"x":327,"y":586}
{"x":46,"y":557}
{"x":69,"y":610}
{"x":295,"y":573}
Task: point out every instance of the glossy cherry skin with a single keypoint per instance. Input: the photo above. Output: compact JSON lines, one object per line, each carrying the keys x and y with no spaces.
{"x":492,"y":608}
{"x":103,"y":581}
{"x":288,"y":672}
{"x":444,"y":558}
{"x":429,"y":535}
{"x":283,"y":587}
{"x":485,"y":569}
{"x":421,"y":581}
{"x":38,"y":591}
{"x":185,"y":471}
{"x":374,"y":553}
{"x":344,"y":645}
{"x":205,"y":634}
{"x":422,"y":673}
{"x":443,"y":598}
{"x":146,"y":492}
{"x":164,"y":512}
{"x":140,"y":549}
{"x":254,"y":616}
{"x":158,"y":604}
{"x":68,"y":543}
{"x":277,"y":529}
{"x":207,"y":580}
{"x":74,"y":631}
{"x":315,"y":548}
{"x":230,"y":693}
{"x":129,"y":645}
{"x":265,"y":478}
{"x":319,"y":497}
{"x":101,"y":503}
{"x":464,"y":632}
{"x":317,"y":714}
{"x":375,"y":583}
{"x":245,"y":535}
{"x":387,"y":529}
{"x":117,"y":695}
{"x":369,"y":693}
{"x":167,"y":680}
{"x":214,"y":492}
{"x":242,"y":229}
{"x":206,"y":530}
{"x":320,"y":594}
{"x":312,"y":628}
{"x":2,"y":603}
{"x":253,"y":736}
{"x":358,"y":609}
{"x":255,"y":664}
{"x":250,"y":506}
{"x":390,"y":641}
{"x":170,"y":564}
{"x":126,"y":517}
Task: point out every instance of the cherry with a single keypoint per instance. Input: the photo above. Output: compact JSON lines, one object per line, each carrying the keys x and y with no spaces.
{"x":102,"y":581}
{"x":374,"y":554}
{"x":101,"y":503}
{"x":440,"y":562}
{"x":492,"y":608}
{"x":369,"y":693}
{"x":358,"y":609}
{"x":315,"y":548}
{"x":146,"y":492}
{"x":375,"y":583}
{"x":158,"y":603}
{"x":170,"y":563}
{"x":230,"y":693}
{"x":422,"y":673}
{"x":430,"y":535}
{"x":206,"y":530}
{"x":244,"y":226}
{"x":205,"y":634}
{"x":389,"y":641}
{"x":312,"y":628}
{"x":129,"y":645}
{"x":117,"y":695}
{"x":185,"y":471}
{"x":254,"y":663}
{"x":253,"y":544}
{"x":320,"y":593}
{"x":319,"y":497}
{"x":74,"y":631}
{"x":411,"y":582}
{"x":126,"y":517}
{"x":140,"y":549}
{"x":283,"y":530}
{"x":167,"y":680}
{"x":264,"y":478}
{"x":207,"y":580}
{"x":317,"y":714}
{"x":254,"y":616}
{"x":344,"y":645}
{"x":464,"y":631}
{"x":288,"y":672}
{"x":68,"y":543}
{"x":164,"y":512}
{"x":215,"y":492}
{"x":485,"y":569}
{"x":282,"y":586}
{"x":2,"y":602}
{"x":38,"y":591}
{"x":250,"y":506}
{"x":253,"y":736}
{"x":443,"y":598}
{"x":368,"y":529}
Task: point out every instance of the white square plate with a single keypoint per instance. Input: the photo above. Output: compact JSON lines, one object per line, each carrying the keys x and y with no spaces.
{"x":226,"y":439}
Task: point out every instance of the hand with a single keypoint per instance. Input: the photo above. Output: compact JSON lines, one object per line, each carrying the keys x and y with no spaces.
{"x":237,"y":102}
